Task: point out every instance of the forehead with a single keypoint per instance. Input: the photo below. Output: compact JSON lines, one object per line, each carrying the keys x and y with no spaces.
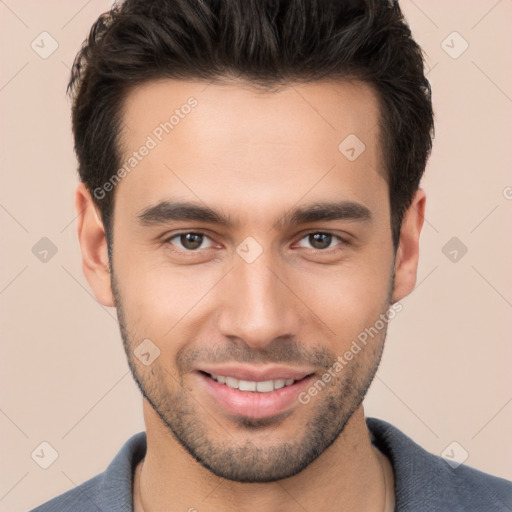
{"x":238,"y":109}
{"x":265,"y":148}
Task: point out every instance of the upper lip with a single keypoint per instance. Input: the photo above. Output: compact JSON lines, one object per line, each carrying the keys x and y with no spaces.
{"x":254,"y":374}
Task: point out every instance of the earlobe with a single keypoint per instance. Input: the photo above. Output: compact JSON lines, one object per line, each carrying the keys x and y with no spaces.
{"x":93,"y":244}
{"x":407,"y":256}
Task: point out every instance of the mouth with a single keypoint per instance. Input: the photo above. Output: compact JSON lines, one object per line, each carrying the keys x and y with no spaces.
{"x":265,"y":386}
{"x":255,"y":397}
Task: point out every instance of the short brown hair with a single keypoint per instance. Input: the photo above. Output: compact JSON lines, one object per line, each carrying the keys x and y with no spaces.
{"x":266,"y":42}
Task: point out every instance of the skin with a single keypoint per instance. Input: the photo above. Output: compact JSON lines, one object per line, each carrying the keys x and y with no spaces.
{"x":255,"y":156}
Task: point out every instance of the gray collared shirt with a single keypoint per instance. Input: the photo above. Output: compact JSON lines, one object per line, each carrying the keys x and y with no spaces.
{"x":423,"y":482}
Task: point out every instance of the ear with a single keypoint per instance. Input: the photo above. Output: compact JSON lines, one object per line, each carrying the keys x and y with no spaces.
{"x":93,"y":243}
{"x":407,"y":255}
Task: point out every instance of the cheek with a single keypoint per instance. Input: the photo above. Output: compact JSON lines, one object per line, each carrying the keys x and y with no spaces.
{"x":159,"y":300}
{"x":347,"y":298}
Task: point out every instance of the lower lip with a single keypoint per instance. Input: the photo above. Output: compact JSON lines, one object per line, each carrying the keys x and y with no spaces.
{"x":254,"y":404}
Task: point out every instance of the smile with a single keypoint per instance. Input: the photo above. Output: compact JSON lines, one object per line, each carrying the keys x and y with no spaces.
{"x":265,"y":386}
{"x":253,"y":398}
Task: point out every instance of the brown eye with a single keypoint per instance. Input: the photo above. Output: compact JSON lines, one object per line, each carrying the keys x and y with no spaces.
{"x":321,"y":241}
{"x":189,"y":241}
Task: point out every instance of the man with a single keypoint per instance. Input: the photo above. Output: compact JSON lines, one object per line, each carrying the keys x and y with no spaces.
{"x":250,"y":204}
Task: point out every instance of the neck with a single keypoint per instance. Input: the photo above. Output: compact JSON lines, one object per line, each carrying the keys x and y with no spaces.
{"x":350,"y":475}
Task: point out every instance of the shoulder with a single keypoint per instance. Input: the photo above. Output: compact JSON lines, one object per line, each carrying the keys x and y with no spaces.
{"x":110,"y":490}
{"x":424,"y":481}
{"x":83,"y":498}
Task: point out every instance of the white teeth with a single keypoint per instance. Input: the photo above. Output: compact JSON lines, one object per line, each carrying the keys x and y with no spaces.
{"x":249,"y":385}
{"x":232,"y":382}
{"x":246,"y":385}
{"x":265,"y":386}
{"x":278,"y":384}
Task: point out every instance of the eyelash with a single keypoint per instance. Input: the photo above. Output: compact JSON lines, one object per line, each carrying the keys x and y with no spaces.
{"x":342,"y":241}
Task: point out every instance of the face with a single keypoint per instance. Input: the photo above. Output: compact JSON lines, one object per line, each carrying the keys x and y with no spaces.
{"x":251,"y":250}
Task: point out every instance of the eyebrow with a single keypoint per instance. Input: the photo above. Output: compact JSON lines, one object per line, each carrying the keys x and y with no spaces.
{"x":168,"y":211}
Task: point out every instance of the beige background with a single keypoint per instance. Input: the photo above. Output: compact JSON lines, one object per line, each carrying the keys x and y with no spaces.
{"x":445,"y":374}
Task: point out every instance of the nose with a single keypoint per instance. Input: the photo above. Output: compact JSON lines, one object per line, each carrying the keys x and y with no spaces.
{"x":257,"y":304}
